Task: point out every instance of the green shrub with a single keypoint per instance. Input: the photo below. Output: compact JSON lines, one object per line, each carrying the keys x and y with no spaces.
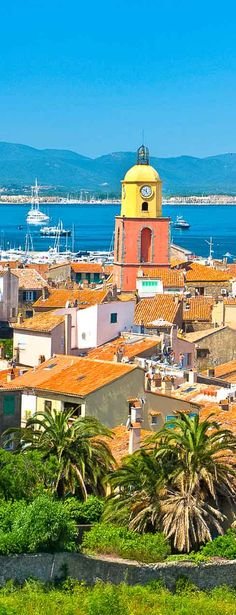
{"x":43,"y":525}
{"x":85,"y":512}
{"x":222,"y":546}
{"x":24,"y":476}
{"x":118,"y":541}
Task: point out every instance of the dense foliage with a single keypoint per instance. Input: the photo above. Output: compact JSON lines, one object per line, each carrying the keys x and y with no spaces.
{"x":106,"y":599}
{"x":25,"y":476}
{"x":83,"y":456}
{"x":118,"y":541}
{"x":86,"y":512}
{"x":222,"y":546}
{"x":176,"y":483}
{"x":43,"y":525}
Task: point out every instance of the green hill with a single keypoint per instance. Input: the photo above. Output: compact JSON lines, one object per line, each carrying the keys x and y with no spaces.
{"x":67,"y":170}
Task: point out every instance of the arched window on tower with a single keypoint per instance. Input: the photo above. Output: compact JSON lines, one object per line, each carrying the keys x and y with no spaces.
{"x":118,"y":245}
{"x":146,"y":245}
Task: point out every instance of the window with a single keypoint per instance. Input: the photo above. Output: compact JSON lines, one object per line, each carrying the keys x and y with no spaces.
{"x":113,"y":318}
{"x":145,"y":206}
{"x":202,"y":353}
{"x":170,"y":419}
{"x":153,"y":420}
{"x":47,"y":405}
{"x":146,"y":245}
{"x":8,"y":405}
{"x":75,"y":409}
{"x":29,"y":295}
{"x":83,"y":336}
{"x":13,"y":312}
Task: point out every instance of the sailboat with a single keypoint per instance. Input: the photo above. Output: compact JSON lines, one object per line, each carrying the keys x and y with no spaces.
{"x":35,"y":216}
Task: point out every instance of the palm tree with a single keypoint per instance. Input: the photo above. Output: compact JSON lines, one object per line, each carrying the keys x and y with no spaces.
{"x":137,"y":488}
{"x":201,"y":479}
{"x":176,"y":483}
{"x":83,"y":457}
{"x":200,"y":450}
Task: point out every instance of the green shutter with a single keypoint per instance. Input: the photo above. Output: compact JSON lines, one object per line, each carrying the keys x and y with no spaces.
{"x":8,"y":405}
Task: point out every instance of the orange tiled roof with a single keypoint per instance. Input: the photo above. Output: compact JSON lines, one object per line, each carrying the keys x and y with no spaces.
{"x":129,"y":346}
{"x":59,"y":297}
{"x":171,"y":278}
{"x":225,"y":369}
{"x":230,"y":300}
{"x":29,"y":279}
{"x":41,"y":268}
{"x":198,"y":309}
{"x":226,"y":418}
{"x":15,"y":371}
{"x":161,"y":306}
{"x":232,"y":269}
{"x":69,"y":375}
{"x":87,"y":267}
{"x":176,"y":262}
{"x":11,"y":264}
{"x":42,"y":321}
{"x":196,"y":272}
{"x":119,"y":444}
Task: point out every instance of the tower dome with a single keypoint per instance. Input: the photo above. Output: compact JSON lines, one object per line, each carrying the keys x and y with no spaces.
{"x":142,"y":171}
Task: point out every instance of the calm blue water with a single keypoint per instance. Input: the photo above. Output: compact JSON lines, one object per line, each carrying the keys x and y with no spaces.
{"x":94,"y":225}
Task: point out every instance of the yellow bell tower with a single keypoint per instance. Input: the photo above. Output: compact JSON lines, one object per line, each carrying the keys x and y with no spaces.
{"x":142,"y":189}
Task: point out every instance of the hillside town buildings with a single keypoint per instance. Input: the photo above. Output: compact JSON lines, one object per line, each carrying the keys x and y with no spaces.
{"x":155,"y":331}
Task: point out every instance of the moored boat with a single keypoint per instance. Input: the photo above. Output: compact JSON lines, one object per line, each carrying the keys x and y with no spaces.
{"x":181,"y":223}
{"x":35,"y":216}
{"x":55,"y":231}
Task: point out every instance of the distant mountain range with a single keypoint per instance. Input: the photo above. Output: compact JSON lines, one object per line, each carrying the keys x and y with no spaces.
{"x":68,"y":171}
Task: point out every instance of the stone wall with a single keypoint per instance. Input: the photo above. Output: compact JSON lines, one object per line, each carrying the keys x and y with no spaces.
{"x":46,"y":567}
{"x":211,"y":289}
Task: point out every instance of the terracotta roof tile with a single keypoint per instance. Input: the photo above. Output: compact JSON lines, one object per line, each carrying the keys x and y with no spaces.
{"x":226,"y":418}
{"x":87,"y":267}
{"x":71,"y":375}
{"x":30,"y":279}
{"x":43,"y":321}
{"x":59,"y":297}
{"x":130,"y":348}
{"x":159,"y":307}
{"x":225,"y":369}
{"x":196,"y":272}
{"x":198,"y":309}
{"x":171,"y":278}
{"x":119,"y":444}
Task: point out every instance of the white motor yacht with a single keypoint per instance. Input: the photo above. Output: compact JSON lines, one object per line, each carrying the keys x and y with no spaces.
{"x":35,"y":216}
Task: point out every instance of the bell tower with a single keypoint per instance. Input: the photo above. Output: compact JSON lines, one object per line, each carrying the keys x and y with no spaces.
{"x":141,"y":232}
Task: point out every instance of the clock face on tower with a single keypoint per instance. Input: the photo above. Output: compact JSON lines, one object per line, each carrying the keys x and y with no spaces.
{"x":146,"y":191}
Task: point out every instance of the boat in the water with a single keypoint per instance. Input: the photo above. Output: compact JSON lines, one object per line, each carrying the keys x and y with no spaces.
{"x":55,"y":231}
{"x":181,"y":223}
{"x":35,"y":216}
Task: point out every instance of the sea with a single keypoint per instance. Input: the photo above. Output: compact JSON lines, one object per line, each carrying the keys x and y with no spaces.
{"x":93,"y":227}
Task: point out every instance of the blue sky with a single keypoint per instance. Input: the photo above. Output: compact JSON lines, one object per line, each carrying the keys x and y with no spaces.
{"x":90,"y":76}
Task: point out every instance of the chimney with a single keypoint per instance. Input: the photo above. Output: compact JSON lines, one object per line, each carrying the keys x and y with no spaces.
{"x":10,"y":375}
{"x":135,"y":427}
{"x":20,"y":319}
{"x":211,"y":372}
{"x":166,"y":385}
{"x":192,"y":376}
{"x":224,"y":404}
